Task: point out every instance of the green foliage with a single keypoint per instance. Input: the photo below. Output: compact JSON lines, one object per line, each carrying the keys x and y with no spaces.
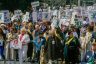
{"x":15,"y":4}
{"x":25,"y":4}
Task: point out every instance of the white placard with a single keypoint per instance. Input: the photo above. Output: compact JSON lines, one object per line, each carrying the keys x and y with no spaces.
{"x":34,"y":16}
{"x":90,"y":15}
{"x":45,"y":15}
{"x":1,"y":17}
{"x":18,"y":13}
{"x":26,"y":17}
{"x":55,"y":13}
{"x":6,"y":16}
{"x":73,"y":17}
{"x":35,"y":4}
{"x":15,"y":44}
{"x":39,"y":15}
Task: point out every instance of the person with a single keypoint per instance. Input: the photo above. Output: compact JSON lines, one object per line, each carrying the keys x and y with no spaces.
{"x":71,"y":49}
{"x":94,"y":34}
{"x":30,"y":44}
{"x":82,"y":30}
{"x":75,"y":32}
{"x":90,"y":56}
{"x":36,"y":31}
{"x":1,"y":44}
{"x":39,"y":41}
{"x":23,"y":39}
{"x":88,"y":39}
{"x":35,"y":34}
{"x":10,"y":51}
{"x":83,"y":45}
{"x":53,"y":47}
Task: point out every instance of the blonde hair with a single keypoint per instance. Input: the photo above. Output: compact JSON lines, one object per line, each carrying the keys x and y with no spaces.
{"x":23,"y":29}
{"x":30,"y":24}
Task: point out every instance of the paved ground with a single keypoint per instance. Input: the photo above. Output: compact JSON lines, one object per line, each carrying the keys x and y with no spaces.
{"x":16,"y":62}
{"x":7,"y":62}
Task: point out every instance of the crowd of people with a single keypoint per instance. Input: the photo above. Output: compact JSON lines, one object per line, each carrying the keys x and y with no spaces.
{"x":44,"y":43}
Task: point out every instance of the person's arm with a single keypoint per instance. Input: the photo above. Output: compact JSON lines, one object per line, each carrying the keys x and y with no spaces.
{"x":35,"y":41}
{"x":42,"y":42}
{"x":33,"y":34}
{"x":78,"y":42}
{"x":27,"y":39}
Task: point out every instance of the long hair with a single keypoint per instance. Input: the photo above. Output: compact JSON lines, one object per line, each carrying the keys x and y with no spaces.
{"x":1,"y":31}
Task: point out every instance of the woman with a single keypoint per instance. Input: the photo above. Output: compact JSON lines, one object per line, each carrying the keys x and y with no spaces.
{"x":23,"y":39}
{"x":88,"y":39}
{"x":10,"y":51}
{"x":83,"y":45}
{"x":30,"y":45}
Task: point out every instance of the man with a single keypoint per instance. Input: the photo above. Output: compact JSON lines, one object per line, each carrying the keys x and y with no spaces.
{"x":53,"y":47}
{"x":35,"y":34}
{"x":71,"y":49}
{"x":90,"y":56}
{"x":39,"y":41}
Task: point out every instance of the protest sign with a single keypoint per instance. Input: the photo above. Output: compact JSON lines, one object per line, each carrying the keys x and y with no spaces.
{"x":39,"y":15}
{"x":35,"y":4}
{"x":92,"y":15}
{"x":45,"y":15}
{"x":1,"y":17}
{"x":17,"y":13}
{"x":15,"y":44}
{"x":34,"y":16}
{"x":26,"y":17}
{"x":6,"y":16}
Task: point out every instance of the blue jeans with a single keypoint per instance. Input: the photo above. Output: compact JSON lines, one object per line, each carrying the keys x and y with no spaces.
{"x":2,"y":51}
